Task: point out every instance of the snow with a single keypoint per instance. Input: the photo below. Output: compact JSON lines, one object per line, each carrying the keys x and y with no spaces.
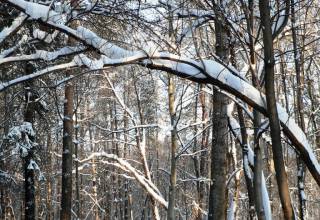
{"x":246,"y":167}
{"x":235,"y":127}
{"x":44,"y":55}
{"x":250,"y":155}
{"x":231,"y":209}
{"x":248,"y":160}
{"x":206,"y":70}
{"x":15,"y":133}
{"x":7,"y":52}
{"x":123,"y":164}
{"x":91,"y":64}
{"x":298,"y":135}
{"x":265,"y":199}
{"x":178,"y":67}
{"x":42,"y":35}
{"x":38,"y":11}
{"x":106,"y":48}
{"x":39,"y":73}
{"x":20,"y":136}
{"x":14,"y":26}
{"x":48,"y":56}
{"x":220,"y":72}
{"x":33,"y":165}
{"x":35,"y":10}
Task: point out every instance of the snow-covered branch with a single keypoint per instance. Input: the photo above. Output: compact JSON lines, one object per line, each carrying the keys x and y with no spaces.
{"x":145,"y":183}
{"x":5,"y":85}
{"x":16,"y":24}
{"x":44,"y":55}
{"x":206,"y":71}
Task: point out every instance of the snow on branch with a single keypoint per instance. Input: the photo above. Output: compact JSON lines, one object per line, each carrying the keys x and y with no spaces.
{"x":145,"y":183}
{"x":37,"y":11}
{"x":206,"y":71}
{"x":10,"y":50}
{"x":21,"y":136}
{"x":16,"y":24}
{"x":249,"y":160}
{"x":46,"y":37}
{"x":5,"y":85}
{"x":44,"y":55}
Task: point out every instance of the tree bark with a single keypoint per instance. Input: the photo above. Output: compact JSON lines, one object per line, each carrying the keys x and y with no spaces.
{"x":76,"y":153}
{"x":66,"y":194}
{"x":174,"y":144}
{"x":29,"y":174}
{"x":219,"y":149}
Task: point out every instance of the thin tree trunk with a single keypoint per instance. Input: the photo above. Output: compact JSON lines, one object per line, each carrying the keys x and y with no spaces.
{"x":300,"y":164}
{"x":258,"y":153}
{"x":258,"y":167}
{"x":281,"y":174}
{"x":3,"y":191}
{"x":204,"y":146}
{"x":94,"y":174}
{"x":234,"y":196}
{"x":29,"y":174}
{"x":195,"y":158}
{"x":173,"y":171}
{"x":314,"y":104}
{"x":127,"y":193}
{"x":245,"y":161}
{"x":50,"y":178}
{"x":174,"y":144}
{"x":76,"y":153}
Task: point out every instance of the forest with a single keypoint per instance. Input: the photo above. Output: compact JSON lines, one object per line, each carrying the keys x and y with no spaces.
{"x":159,"y":109}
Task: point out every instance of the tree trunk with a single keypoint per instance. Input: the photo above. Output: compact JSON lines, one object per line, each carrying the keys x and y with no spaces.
{"x":50,"y":178}
{"x":219,"y":150}
{"x":174,"y":144}
{"x":29,"y":174}
{"x":258,"y":154}
{"x":245,"y":162}
{"x":76,"y":153}
{"x":66,"y":194}
{"x":301,"y":168}
{"x":173,"y":171}
{"x":269,"y":62}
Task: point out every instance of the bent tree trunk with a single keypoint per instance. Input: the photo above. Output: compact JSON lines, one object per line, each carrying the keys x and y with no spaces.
{"x":272,"y":112}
